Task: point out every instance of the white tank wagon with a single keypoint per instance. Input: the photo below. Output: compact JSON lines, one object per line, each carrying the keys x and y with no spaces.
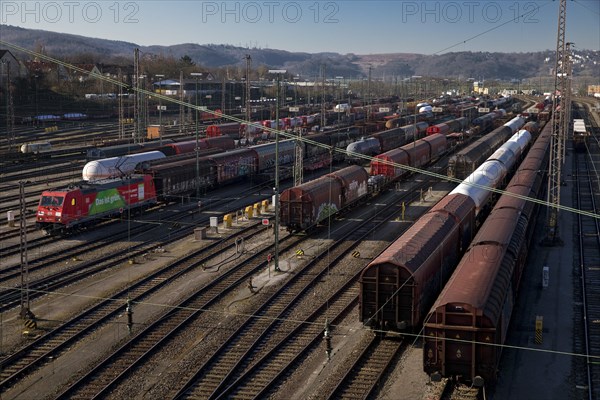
{"x":36,"y":148}
{"x":117,"y":166}
{"x":494,"y":170}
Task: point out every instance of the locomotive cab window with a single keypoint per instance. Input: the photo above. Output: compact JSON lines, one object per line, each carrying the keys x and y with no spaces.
{"x":52,"y":201}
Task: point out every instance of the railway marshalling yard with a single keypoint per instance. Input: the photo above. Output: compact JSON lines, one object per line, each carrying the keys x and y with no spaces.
{"x":244,"y":322}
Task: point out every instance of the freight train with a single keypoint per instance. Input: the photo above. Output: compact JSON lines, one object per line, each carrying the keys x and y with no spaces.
{"x":397,"y":121}
{"x":122,"y":149}
{"x":166,"y":146}
{"x":465,"y":330}
{"x":303,"y":207}
{"x":399,"y":286}
{"x":116,"y":166}
{"x":465,"y":161}
{"x":54,"y":118}
{"x":486,"y":121}
{"x":454,"y":125}
{"x":381,"y":142}
{"x":28,"y":152}
{"x":177,"y":178}
{"x":239,"y":130}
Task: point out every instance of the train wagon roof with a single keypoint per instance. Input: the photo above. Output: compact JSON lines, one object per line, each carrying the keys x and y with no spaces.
{"x":420,"y":241}
{"x":475,"y":284}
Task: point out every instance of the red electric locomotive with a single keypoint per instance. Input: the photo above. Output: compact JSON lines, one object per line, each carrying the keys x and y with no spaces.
{"x":84,"y":204}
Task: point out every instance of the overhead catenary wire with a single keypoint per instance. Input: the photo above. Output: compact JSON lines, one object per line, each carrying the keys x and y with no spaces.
{"x":516,"y":18}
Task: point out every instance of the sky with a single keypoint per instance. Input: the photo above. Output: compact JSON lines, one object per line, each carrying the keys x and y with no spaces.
{"x":349,"y":26}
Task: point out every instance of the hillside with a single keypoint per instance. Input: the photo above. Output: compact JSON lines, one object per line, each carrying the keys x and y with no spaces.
{"x":504,"y":66}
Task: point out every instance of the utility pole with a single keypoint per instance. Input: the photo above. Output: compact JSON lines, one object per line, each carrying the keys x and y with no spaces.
{"x":248,"y":109}
{"x":566,"y":123}
{"x":298,"y":160}
{"x":278,"y":72}
{"x":121,"y":114}
{"x":197,"y":75}
{"x":223,"y":91}
{"x":137,"y":101}
{"x":10,"y":117}
{"x":25,"y":310}
{"x":323,"y":96}
{"x":558,"y":116}
{"x":181,"y":98}
{"x":369,"y":94}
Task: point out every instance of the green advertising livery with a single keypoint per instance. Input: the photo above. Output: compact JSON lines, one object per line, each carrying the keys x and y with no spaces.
{"x":107,"y":200}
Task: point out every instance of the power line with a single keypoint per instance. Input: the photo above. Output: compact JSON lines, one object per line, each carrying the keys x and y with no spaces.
{"x":301,"y":322}
{"x":491,"y":29}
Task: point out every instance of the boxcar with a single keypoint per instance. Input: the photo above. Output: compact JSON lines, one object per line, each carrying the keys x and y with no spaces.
{"x":414,"y":154}
{"x":286,"y":150}
{"x":317,"y":155}
{"x":438,"y":145}
{"x":399,"y":286}
{"x":235,"y":165}
{"x":189,"y":146}
{"x":220,"y":142}
{"x":389,"y":163}
{"x":232,"y":129}
{"x":391,"y":139}
{"x":179,"y":178}
{"x":444,"y":128}
{"x":124,"y":149}
{"x":354,"y":181}
{"x":304,"y":206}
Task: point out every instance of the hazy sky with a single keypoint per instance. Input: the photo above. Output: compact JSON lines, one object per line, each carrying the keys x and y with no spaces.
{"x":353,"y":26}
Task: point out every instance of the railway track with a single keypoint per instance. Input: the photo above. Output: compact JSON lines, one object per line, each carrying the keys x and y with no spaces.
{"x":347,"y":301}
{"x":588,"y":234}
{"x":119,"y":365}
{"x":283,"y":344}
{"x":145,"y":342}
{"x":365,"y":375}
{"x":47,"y":174}
{"x":45,"y":281}
{"x":54,"y":342}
